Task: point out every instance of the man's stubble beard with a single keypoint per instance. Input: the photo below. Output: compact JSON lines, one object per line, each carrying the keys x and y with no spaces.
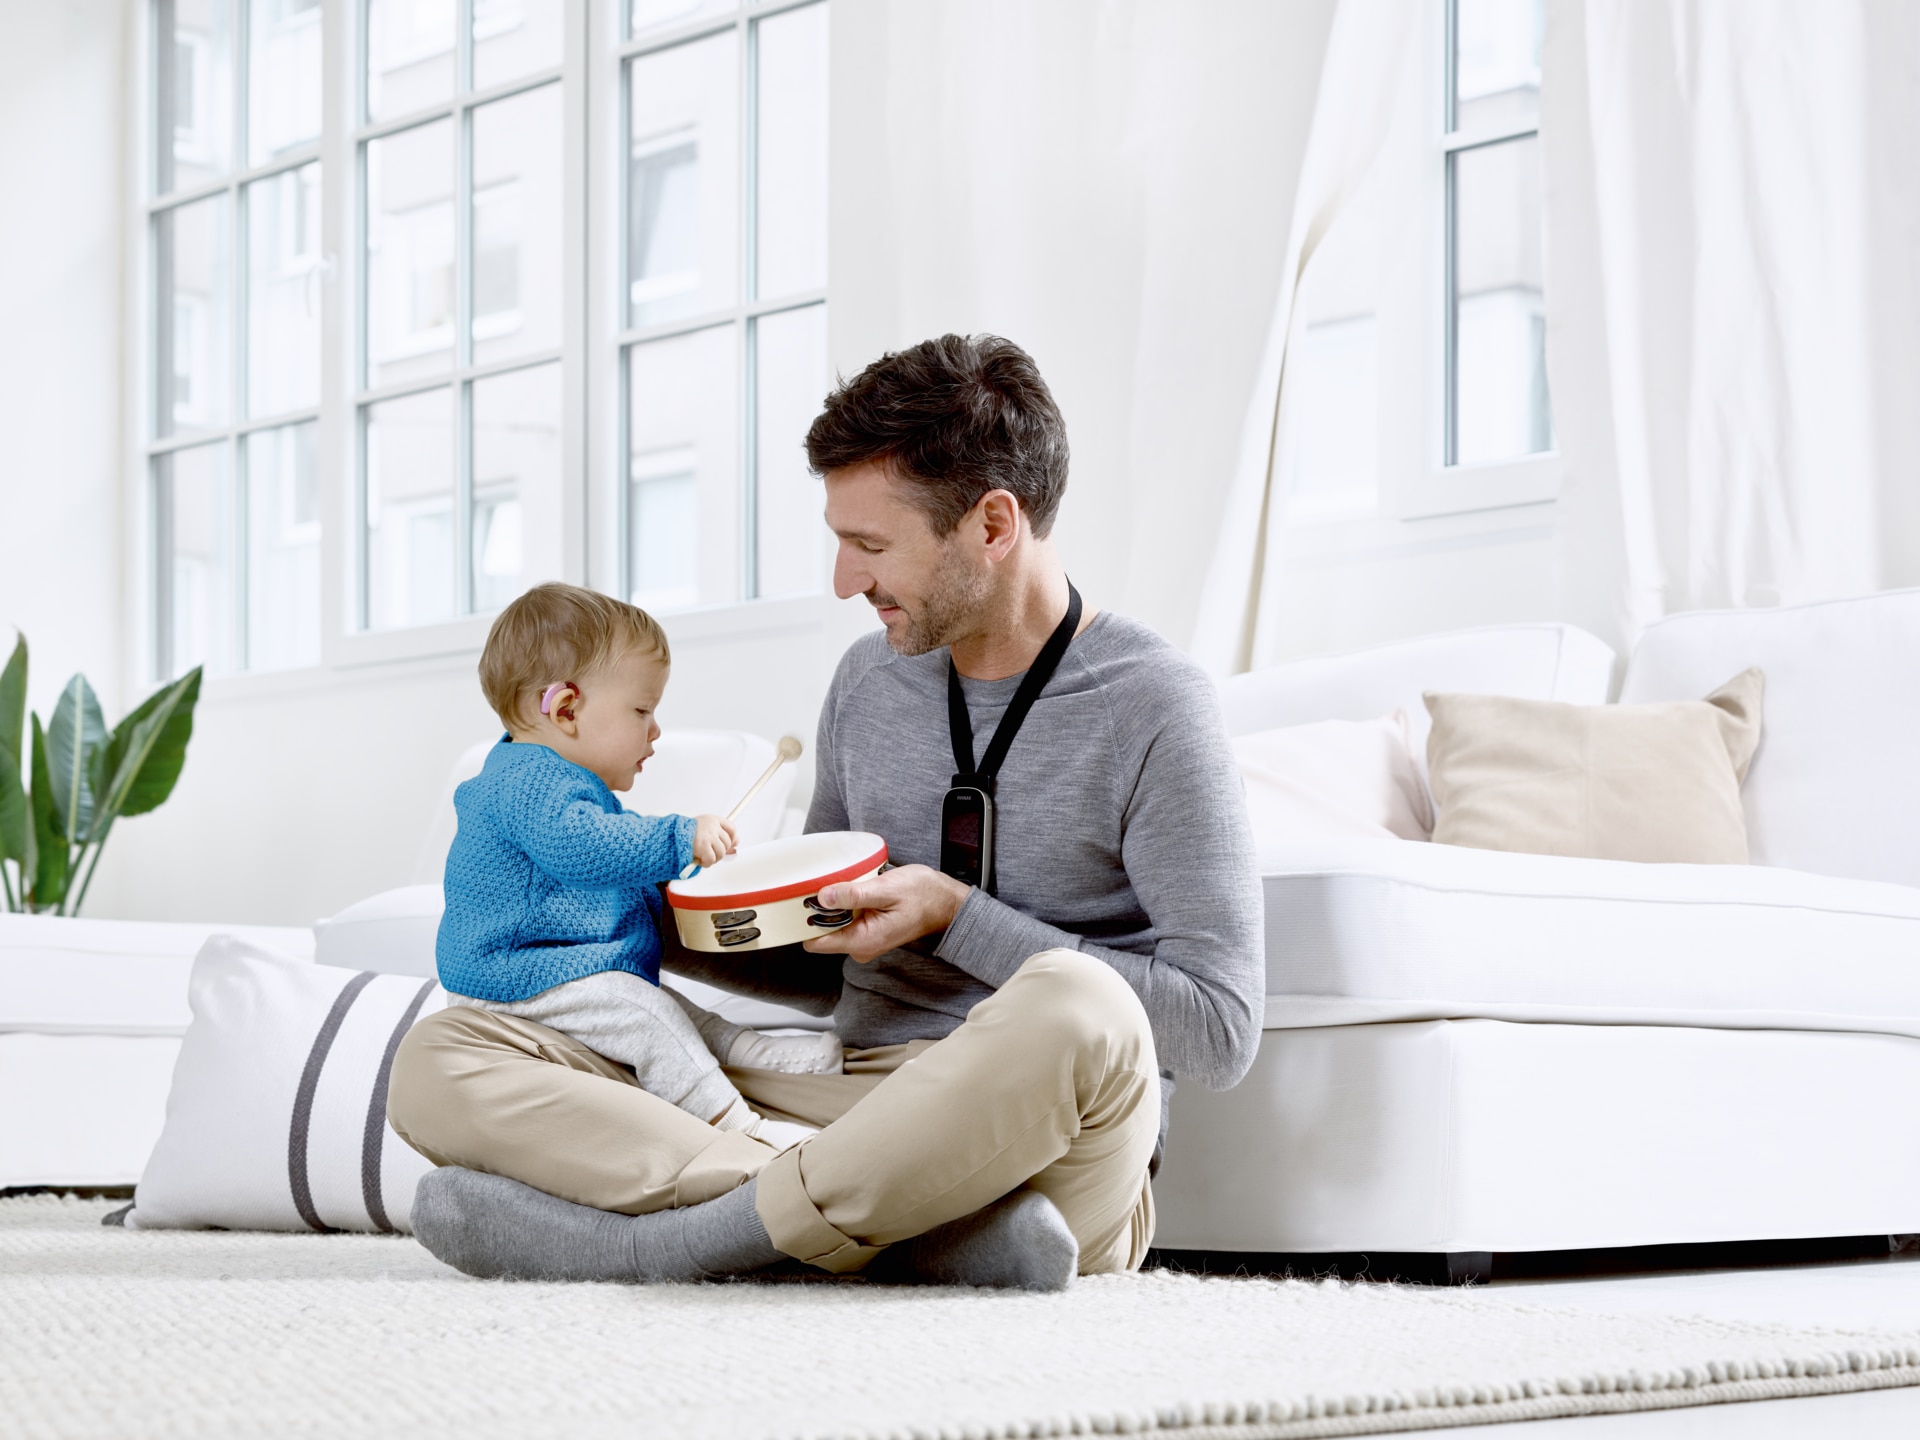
{"x":951,"y":606}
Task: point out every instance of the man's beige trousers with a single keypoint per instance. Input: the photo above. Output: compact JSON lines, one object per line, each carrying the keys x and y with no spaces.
{"x":1051,"y":1083}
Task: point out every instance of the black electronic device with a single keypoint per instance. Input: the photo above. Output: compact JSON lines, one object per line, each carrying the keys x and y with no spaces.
{"x":966,"y":834}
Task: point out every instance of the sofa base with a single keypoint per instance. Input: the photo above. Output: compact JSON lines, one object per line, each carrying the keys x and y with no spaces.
{"x":1478,"y":1267}
{"x":1454,"y":1136}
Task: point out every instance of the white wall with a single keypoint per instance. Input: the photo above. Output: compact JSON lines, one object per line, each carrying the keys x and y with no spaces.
{"x":62,"y":159}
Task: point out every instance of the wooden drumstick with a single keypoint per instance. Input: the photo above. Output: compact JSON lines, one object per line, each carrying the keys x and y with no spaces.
{"x":787,"y":751}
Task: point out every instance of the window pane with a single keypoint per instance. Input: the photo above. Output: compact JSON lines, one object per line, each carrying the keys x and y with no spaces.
{"x":283,"y":76}
{"x":283,"y":291}
{"x":283,"y":548}
{"x":193,"y":502}
{"x":648,"y":15}
{"x":1497,"y":63}
{"x":515,"y":37}
{"x":410,"y":276}
{"x":410,"y":510}
{"x":193,"y":92}
{"x":516,"y":224}
{"x":192,"y":348}
{"x":791,"y":209}
{"x":683,"y":188}
{"x":683,"y":501}
{"x":409,"y":55}
{"x":790,"y":354}
{"x":1499,"y":326}
{"x":516,"y":483}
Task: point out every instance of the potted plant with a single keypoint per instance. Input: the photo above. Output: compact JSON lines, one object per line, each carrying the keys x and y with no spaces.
{"x":78,"y":778}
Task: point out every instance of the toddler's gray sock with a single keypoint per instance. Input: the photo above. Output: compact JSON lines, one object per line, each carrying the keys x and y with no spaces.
{"x":496,"y":1228}
{"x":1020,"y":1242}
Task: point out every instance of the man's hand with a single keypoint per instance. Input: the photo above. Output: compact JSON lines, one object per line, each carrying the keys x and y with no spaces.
{"x":713,"y":839}
{"x":891,"y":910}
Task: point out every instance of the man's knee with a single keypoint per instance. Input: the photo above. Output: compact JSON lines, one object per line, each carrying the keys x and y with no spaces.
{"x":1080,"y":1001}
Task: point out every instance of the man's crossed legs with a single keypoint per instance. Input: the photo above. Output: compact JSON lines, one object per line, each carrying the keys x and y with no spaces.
{"x":1051,"y":1084}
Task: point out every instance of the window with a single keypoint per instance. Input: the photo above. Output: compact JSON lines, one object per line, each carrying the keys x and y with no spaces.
{"x":233,"y":240}
{"x":1496,"y":352}
{"x":473,"y":401}
{"x":459,"y":409}
{"x":1416,"y":382}
{"x":722,"y":301}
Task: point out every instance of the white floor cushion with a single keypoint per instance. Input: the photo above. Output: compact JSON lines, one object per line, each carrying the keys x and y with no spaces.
{"x":277,"y":1116}
{"x":1397,"y":930}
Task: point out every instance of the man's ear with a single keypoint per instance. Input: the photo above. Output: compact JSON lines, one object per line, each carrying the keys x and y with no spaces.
{"x":1000,"y":520}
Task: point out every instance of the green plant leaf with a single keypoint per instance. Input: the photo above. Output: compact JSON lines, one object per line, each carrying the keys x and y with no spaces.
{"x":13,"y":702}
{"x":76,"y":729}
{"x":16,"y":817}
{"x":137,"y":767}
{"x":48,"y":875}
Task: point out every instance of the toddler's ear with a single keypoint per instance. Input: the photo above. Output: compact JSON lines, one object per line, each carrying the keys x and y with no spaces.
{"x":563,"y":700}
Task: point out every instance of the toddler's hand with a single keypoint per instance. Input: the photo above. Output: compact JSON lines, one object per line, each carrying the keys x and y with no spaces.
{"x":713,"y":839}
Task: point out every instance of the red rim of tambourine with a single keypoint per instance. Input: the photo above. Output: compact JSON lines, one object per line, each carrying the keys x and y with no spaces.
{"x":746,"y":899}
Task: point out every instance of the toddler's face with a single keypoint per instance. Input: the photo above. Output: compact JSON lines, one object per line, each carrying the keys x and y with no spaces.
{"x":613,"y":715}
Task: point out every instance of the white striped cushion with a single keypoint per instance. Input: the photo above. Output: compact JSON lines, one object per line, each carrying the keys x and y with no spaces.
{"x":277,"y":1115}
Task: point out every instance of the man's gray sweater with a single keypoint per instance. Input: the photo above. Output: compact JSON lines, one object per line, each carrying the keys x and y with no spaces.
{"x":1121,"y":832}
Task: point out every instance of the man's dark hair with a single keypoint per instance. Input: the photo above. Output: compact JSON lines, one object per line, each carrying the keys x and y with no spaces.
{"x":953,"y":418}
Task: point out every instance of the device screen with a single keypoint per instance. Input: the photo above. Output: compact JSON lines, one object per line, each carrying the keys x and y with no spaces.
{"x":966,"y":835}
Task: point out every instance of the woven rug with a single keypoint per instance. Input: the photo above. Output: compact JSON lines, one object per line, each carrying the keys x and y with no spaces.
{"x":109,"y":1332}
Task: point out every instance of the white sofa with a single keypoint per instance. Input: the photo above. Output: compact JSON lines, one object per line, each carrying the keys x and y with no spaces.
{"x":1471,"y":1052}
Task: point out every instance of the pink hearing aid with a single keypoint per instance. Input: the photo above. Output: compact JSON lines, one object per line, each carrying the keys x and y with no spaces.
{"x":546,"y":695}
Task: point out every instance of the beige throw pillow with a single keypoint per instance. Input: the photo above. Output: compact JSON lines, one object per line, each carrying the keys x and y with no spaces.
{"x":1608,"y":782}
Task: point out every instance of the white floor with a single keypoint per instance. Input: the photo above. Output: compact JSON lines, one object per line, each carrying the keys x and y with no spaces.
{"x":1851,"y":1294}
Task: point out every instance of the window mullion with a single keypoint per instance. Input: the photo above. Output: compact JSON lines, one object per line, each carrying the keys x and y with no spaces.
{"x":749,"y":333}
{"x":239,"y":222}
{"x":462,"y":407}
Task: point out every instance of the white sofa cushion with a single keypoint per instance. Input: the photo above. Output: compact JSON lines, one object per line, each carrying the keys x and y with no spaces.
{"x":1835,"y":787}
{"x":1334,"y":779}
{"x":61,"y":976}
{"x":1531,"y":662}
{"x":277,"y":1118}
{"x":1388,"y":931}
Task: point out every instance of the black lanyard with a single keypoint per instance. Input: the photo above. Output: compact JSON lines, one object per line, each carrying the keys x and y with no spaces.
{"x":961,"y":723}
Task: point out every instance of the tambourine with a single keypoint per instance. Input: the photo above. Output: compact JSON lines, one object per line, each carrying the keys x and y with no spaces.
{"x":769,"y":894}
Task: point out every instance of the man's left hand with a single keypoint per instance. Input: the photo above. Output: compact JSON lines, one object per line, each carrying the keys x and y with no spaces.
{"x":891,"y":910}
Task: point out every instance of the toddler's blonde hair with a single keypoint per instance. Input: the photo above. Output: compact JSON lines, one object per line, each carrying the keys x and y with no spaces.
{"x":557,"y":633}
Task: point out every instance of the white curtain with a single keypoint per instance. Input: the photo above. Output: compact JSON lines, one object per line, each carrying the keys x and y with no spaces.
{"x":1353,"y":111}
{"x":1730,"y":240}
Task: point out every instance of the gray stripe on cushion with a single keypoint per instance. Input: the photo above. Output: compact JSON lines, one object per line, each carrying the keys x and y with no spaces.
{"x":373,"y":1139}
{"x":303,"y":1099}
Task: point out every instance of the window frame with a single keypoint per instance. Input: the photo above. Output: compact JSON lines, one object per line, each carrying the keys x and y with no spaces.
{"x":153,"y":571}
{"x":611,"y":339}
{"x":348,"y":641}
{"x":591,"y":353}
{"x":1447,"y":488}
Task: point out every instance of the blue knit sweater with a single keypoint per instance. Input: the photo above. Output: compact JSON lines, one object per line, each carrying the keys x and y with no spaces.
{"x":550,"y":880}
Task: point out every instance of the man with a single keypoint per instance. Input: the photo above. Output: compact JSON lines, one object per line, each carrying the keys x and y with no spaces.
{"x":1010,"y":1043}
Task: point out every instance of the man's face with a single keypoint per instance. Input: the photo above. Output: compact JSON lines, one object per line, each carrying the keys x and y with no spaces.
{"x":927,"y":589}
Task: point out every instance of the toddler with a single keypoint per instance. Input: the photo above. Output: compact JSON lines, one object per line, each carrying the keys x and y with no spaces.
{"x":553,"y":900}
